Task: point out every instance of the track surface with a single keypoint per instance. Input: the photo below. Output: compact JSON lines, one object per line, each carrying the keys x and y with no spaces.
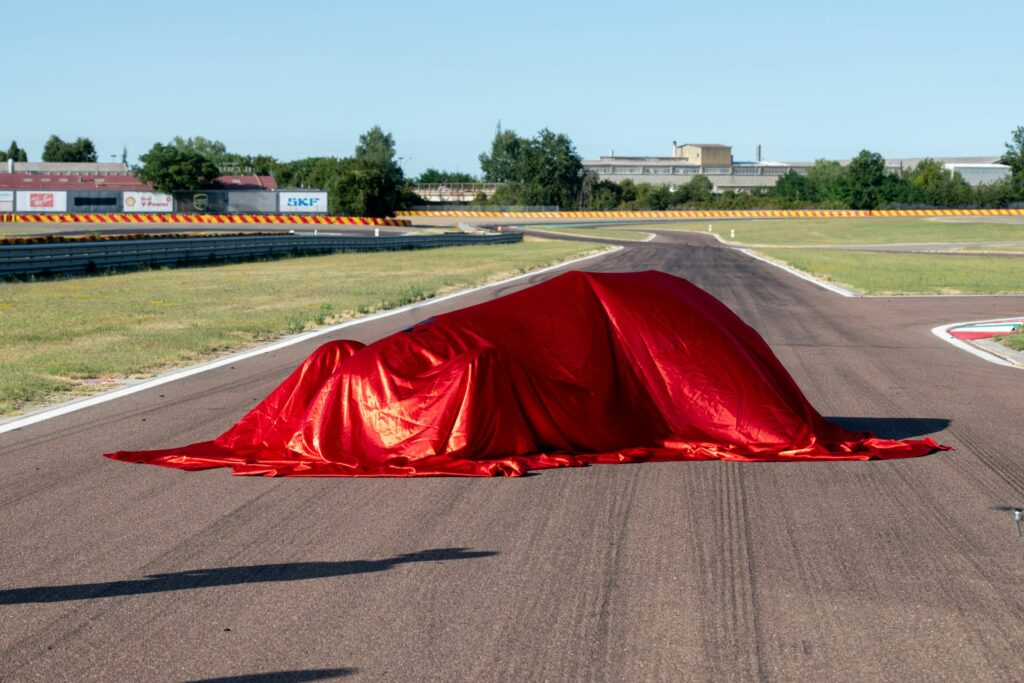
{"x":680,"y":571}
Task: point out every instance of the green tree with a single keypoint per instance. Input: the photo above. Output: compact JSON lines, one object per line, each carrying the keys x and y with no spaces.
{"x":214,"y":150}
{"x":434,"y":176}
{"x":124,"y":155}
{"x":794,"y":188}
{"x":826,"y":179}
{"x":14,"y":153}
{"x":863,"y":181}
{"x":935,"y":185}
{"x":700,"y":188}
{"x":605,"y":196}
{"x":80,"y":151}
{"x":170,"y":169}
{"x":505,"y":163}
{"x":1014,"y":157}
{"x":545,"y":170}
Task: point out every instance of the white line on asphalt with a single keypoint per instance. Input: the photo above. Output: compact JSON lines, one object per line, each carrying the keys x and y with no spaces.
{"x":942,"y":332}
{"x":836,"y":289}
{"x":74,"y":406}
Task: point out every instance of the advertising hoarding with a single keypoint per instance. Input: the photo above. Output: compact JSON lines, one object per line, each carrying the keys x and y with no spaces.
{"x":147,"y":202}
{"x":251,"y":201}
{"x":203,"y":201}
{"x":41,"y":201}
{"x":6,"y":201}
{"x":302,"y":202}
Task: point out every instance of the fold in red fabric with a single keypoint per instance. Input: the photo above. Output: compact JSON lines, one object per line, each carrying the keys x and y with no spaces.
{"x":583,"y":368}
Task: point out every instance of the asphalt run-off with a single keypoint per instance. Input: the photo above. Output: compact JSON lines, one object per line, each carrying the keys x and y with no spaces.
{"x":677,"y":571}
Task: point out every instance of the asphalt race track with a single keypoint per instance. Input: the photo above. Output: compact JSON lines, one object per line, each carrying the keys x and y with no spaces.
{"x":709,"y":571}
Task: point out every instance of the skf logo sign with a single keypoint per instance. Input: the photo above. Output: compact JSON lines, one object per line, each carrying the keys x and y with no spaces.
{"x":308,"y":202}
{"x":40,"y":201}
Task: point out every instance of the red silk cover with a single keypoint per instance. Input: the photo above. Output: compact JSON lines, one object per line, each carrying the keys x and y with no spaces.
{"x":584,"y":368}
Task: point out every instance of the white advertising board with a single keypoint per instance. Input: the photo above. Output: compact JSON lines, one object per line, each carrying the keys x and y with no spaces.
{"x":147,"y":202}
{"x":6,"y":201}
{"x":302,"y":202}
{"x":42,"y":201}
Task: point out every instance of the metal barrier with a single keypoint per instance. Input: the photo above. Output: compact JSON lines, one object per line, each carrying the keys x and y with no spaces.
{"x":88,"y":257}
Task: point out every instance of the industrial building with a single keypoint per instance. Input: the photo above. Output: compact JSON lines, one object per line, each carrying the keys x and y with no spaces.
{"x":41,"y":187}
{"x":716,"y":163}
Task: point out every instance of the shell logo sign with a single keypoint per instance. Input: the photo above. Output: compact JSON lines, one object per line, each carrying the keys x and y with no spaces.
{"x":148,"y":202}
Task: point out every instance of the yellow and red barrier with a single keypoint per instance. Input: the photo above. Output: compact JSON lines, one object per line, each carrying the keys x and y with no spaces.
{"x":755,"y":213}
{"x":273,"y":219}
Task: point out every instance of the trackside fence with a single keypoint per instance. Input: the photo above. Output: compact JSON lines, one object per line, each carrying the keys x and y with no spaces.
{"x":75,"y":258}
{"x":700,"y":214}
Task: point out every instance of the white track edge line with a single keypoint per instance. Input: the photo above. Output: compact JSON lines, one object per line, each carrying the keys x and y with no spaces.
{"x":75,"y":406}
{"x":835,"y":289}
{"x":942,"y":332}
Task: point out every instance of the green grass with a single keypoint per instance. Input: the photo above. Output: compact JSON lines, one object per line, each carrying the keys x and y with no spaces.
{"x":74,"y":336}
{"x":846,"y":231}
{"x":882,"y":273}
{"x":1014,"y":341}
{"x":599,"y":233}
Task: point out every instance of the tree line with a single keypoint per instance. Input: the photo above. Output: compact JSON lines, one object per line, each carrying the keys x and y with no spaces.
{"x":546,"y":170}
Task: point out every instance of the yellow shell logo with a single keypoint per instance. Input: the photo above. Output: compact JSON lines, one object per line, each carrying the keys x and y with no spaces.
{"x":130,"y":201}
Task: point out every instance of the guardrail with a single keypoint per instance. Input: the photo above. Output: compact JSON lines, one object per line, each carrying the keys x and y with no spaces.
{"x":70,"y":258}
{"x":269,"y":218}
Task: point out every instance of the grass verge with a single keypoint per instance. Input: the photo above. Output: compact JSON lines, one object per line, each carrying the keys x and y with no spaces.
{"x":599,"y":233}
{"x":1014,"y":341}
{"x":75,"y":336}
{"x":846,"y":231}
{"x":883,"y":273}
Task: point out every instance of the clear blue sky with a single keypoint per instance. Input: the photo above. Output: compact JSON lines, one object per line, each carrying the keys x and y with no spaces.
{"x":294,"y":79}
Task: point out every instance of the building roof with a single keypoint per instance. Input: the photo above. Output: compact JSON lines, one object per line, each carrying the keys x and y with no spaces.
{"x":83,"y":168}
{"x":66,"y":181}
{"x":248,"y":182}
{"x":703,"y":144}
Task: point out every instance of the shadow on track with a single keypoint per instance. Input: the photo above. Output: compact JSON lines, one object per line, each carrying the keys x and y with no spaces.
{"x":227,"y":576}
{"x":281,"y":676}
{"x":893,"y":427}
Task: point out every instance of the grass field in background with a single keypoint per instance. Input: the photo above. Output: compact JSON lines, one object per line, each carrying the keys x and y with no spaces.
{"x":74,"y":336}
{"x":886,"y":273}
{"x":846,"y":231}
{"x":610,"y":234}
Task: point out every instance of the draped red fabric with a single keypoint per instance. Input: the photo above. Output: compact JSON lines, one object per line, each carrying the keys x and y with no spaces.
{"x":584,"y":368}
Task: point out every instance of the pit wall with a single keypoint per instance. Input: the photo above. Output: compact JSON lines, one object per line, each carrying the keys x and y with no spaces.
{"x":766,"y":213}
{"x":198,"y":218}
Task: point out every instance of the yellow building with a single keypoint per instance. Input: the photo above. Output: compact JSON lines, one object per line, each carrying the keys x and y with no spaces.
{"x":703,"y":155}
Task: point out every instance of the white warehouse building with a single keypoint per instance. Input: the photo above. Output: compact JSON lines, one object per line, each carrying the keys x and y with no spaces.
{"x":717,"y":164}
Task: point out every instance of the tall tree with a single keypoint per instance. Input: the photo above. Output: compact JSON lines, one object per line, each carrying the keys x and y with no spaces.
{"x":14,"y":153}
{"x":80,"y":151}
{"x":1014,"y":157}
{"x":863,"y":180}
{"x":214,"y":150}
{"x":826,"y":179}
{"x":935,"y":185}
{"x":169,"y":169}
{"x":794,"y":188}
{"x":545,"y":170}
{"x":505,"y":162}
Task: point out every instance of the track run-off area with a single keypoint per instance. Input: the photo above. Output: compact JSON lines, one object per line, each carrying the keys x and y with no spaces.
{"x":895,"y":570}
